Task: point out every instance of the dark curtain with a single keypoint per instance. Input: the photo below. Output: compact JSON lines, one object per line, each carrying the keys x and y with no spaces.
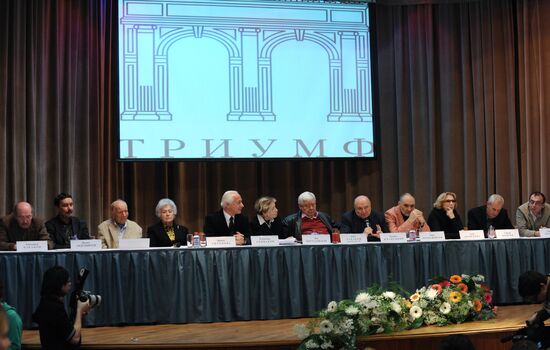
{"x":461,"y":90}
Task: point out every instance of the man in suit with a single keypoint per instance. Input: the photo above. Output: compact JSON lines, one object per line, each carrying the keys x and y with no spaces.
{"x":405,"y":217}
{"x":118,"y":226}
{"x":491,"y":214}
{"x":363,"y":219}
{"x":533,"y":215}
{"x":64,"y":227}
{"x":228,"y":221}
{"x":21,"y":225}
{"x":307,"y":220}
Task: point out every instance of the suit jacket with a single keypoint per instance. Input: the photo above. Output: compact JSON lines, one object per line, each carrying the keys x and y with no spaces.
{"x":216,"y":226}
{"x":292,"y":225}
{"x":477,"y":219}
{"x":159,"y":238}
{"x":351,"y":223}
{"x":396,"y":222}
{"x":439,"y":221}
{"x":525,"y":223}
{"x":264,"y":230}
{"x":10,"y":232}
{"x":107,"y":231}
{"x":59,"y":236}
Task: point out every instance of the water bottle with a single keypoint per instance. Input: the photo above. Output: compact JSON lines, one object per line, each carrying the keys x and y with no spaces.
{"x":202,"y":239}
{"x":412,"y":235}
{"x":196,"y":240}
{"x":491,"y":232}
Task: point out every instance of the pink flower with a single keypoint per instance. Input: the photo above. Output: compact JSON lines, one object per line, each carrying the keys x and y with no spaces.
{"x":444,"y":283}
{"x":488,"y":298}
{"x":438,"y":288}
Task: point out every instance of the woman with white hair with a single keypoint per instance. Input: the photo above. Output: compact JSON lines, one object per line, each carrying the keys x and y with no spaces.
{"x":166,"y":232}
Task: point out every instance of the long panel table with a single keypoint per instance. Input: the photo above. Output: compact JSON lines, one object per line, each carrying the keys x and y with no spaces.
{"x":261,"y":283}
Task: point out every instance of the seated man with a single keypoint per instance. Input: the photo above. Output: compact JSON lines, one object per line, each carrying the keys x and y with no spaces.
{"x":228,"y":221}
{"x":308,"y":220}
{"x":533,"y":215}
{"x":404,"y":217}
{"x":118,"y":226}
{"x":64,"y":227}
{"x":22,"y":226}
{"x":491,"y":214}
{"x":363,"y":219}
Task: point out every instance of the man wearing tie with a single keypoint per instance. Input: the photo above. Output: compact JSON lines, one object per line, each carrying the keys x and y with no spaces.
{"x":363,"y":219}
{"x":229,"y":221}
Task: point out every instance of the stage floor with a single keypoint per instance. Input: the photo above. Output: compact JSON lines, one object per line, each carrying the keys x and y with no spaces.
{"x":279,"y":334}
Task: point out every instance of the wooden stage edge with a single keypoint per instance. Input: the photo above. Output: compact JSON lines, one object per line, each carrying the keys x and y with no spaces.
{"x":279,"y":334}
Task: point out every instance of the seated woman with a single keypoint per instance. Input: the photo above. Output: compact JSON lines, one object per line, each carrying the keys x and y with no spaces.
{"x":266,"y":221}
{"x":166,"y":233}
{"x":444,"y":216}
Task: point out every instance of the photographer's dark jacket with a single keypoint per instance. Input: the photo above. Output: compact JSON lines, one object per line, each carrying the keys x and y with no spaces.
{"x":59,"y":231}
{"x":54,"y":325}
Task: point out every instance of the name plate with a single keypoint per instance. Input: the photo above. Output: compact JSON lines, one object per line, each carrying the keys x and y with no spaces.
{"x":265,"y":241}
{"x":133,"y":243}
{"x":32,"y":246}
{"x":316,"y":239}
{"x":221,"y":242}
{"x":434,"y":236}
{"x":86,"y":244}
{"x":507,"y":234}
{"x":544,"y":232}
{"x":471,"y":234}
{"x":353,"y":238}
{"x":393,"y":237}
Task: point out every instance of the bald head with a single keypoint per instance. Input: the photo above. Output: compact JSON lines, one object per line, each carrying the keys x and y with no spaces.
{"x":23,"y":214}
{"x":362,"y":206}
{"x":119,"y":211}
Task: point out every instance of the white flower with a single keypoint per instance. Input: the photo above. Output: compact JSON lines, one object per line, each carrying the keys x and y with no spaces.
{"x":389,"y":295}
{"x":415,"y":312}
{"x":445,"y":308}
{"x":332,"y":306}
{"x":431,"y":293}
{"x":395,"y":306}
{"x":327,"y":345}
{"x":363,"y":298}
{"x":347,"y":326}
{"x":301,"y":331}
{"x":310,"y":344}
{"x":478,"y":278}
{"x":352,"y":310}
{"x":380,"y":330}
{"x":325,"y":326}
{"x":465,"y":276}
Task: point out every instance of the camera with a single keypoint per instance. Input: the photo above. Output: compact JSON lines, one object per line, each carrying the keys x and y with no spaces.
{"x":535,"y":332}
{"x":83,"y":295}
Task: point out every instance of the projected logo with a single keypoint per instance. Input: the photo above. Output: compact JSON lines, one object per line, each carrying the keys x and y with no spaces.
{"x":204,"y":65}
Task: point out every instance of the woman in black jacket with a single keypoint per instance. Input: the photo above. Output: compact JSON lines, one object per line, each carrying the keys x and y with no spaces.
{"x":166,"y":232}
{"x":444,"y":216}
{"x":266,"y":222}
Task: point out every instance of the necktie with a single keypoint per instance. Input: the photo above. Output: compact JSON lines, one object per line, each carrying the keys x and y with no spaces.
{"x":231,"y":226}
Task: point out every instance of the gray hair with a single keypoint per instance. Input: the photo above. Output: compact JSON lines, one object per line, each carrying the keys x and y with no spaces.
{"x":118,"y":202}
{"x":495,"y":198}
{"x":306,"y":196}
{"x":165,"y":202}
{"x":228,"y":198}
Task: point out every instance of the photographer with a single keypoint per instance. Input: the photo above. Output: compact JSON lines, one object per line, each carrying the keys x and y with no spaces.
{"x":533,"y":287}
{"x":57,"y":331}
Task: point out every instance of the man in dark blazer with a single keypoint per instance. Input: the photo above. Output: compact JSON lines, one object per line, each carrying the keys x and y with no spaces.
{"x":308,"y":220}
{"x":64,"y":227}
{"x":229,"y":221}
{"x":21,"y":225}
{"x":363,"y":219}
{"x":492,"y":213}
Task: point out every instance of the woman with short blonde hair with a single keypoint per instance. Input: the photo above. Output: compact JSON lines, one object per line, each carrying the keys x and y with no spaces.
{"x":444,"y":216}
{"x":266,"y":222}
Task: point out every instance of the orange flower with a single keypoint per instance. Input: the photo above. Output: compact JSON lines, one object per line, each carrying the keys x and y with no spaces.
{"x":408,"y":304}
{"x":455,"y":297}
{"x":455,"y":279}
{"x":438,"y":288}
{"x":463,"y":288}
{"x":477,"y":305}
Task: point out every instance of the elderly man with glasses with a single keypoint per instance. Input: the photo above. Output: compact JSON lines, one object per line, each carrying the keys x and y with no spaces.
{"x":533,"y":215}
{"x":491,"y":214}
